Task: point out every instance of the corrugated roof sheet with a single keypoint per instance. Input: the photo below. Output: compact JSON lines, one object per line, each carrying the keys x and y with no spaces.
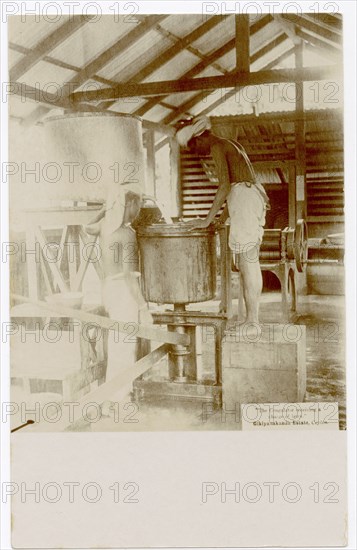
{"x":89,"y":41}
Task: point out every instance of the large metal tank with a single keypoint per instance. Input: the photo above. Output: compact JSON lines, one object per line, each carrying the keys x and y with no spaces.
{"x":87,"y":152}
{"x":178,"y":265}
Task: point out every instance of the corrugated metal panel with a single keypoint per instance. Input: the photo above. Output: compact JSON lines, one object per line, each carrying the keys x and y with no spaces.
{"x":264,"y":36}
{"x":127,"y":105}
{"x":178,"y":99}
{"x":29,"y":30}
{"x":47,"y":76}
{"x":274,"y":53}
{"x":157,"y":113}
{"x":228,"y":61}
{"x":180,"y":25}
{"x":123,"y":66}
{"x":216,"y":37}
{"x":171,"y":70}
{"x":91,"y":40}
{"x":14,"y":57}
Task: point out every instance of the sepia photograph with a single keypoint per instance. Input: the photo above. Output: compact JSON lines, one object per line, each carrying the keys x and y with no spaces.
{"x":177,"y":220}
{"x":176,"y":236}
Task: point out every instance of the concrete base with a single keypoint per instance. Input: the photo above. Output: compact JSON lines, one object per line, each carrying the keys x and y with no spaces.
{"x":266,"y":367}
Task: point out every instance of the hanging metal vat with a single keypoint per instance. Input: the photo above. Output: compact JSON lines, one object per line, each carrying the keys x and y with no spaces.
{"x":178,"y":265}
{"x":88,"y":152}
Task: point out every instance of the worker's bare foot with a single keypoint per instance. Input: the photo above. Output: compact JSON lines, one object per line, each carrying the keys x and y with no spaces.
{"x":250,"y":330}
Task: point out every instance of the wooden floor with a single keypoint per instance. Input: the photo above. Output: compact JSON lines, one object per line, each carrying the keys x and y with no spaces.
{"x":324,"y":318}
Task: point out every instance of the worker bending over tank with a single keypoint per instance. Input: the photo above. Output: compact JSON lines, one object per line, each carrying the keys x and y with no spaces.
{"x":247,"y":203}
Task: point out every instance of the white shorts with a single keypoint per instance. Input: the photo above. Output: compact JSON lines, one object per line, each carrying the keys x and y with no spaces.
{"x":247,"y":210}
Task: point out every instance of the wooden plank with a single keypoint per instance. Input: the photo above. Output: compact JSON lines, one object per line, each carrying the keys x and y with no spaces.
{"x":300,"y":144}
{"x":53,"y":265}
{"x":150,"y":161}
{"x":175,"y":178}
{"x":48,"y":44}
{"x":98,"y":266}
{"x":144,"y":331}
{"x":101,"y":60}
{"x":133,"y":89}
{"x":321,"y":44}
{"x":316,"y":28}
{"x":292,"y":196}
{"x":242,"y":43}
{"x":327,"y":219}
{"x":197,"y":69}
{"x":268,"y":47}
{"x":209,"y":60}
{"x":31,"y":261}
{"x":181,"y":45}
{"x":61,"y":216}
{"x":185,"y":107}
{"x":110,"y":389}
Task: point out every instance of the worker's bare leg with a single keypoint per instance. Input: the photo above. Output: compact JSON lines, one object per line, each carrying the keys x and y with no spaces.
{"x":252,"y":282}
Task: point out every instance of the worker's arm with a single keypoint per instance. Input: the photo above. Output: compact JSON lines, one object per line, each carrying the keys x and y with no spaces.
{"x":223,"y":190}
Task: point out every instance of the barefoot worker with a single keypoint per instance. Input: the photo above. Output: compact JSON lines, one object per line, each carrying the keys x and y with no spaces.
{"x":246,"y":199}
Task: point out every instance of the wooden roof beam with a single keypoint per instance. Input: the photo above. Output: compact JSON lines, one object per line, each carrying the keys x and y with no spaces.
{"x":167,"y":87}
{"x":332,"y":24}
{"x":48,"y":44}
{"x":311,"y":26}
{"x":100,"y":61}
{"x":242,"y":43}
{"x":189,"y":48}
{"x":229,"y":94}
{"x":289,"y":28}
{"x":321,"y":44}
{"x":191,"y":73}
{"x":171,"y":52}
{"x":210,"y":59}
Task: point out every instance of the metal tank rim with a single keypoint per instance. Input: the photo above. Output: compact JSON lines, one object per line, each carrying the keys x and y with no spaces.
{"x":174,"y":230}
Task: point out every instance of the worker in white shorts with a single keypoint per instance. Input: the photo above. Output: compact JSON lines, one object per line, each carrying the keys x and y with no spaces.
{"x":247,"y":203}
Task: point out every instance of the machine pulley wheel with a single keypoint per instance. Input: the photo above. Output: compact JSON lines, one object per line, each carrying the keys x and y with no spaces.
{"x":301,"y":245}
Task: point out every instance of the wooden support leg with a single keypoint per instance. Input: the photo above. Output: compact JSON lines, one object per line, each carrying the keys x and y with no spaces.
{"x":31,"y":260}
{"x":218,"y":356}
{"x":226,"y":273}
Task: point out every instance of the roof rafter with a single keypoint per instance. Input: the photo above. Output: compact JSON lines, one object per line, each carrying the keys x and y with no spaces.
{"x":191,"y":73}
{"x":311,"y":26}
{"x":220,"y":100}
{"x":101,"y":60}
{"x":171,"y":52}
{"x":189,"y":47}
{"x":321,"y":44}
{"x":210,"y":59}
{"x":48,"y":44}
{"x":166,"y":87}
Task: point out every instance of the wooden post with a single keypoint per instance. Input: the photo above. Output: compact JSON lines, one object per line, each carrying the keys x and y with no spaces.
{"x":292,"y":195}
{"x":300,"y":148}
{"x":150,"y":164}
{"x":226,"y":272}
{"x":175,"y":178}
{"x":32,"y":258}
{"x":242,"y":43}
